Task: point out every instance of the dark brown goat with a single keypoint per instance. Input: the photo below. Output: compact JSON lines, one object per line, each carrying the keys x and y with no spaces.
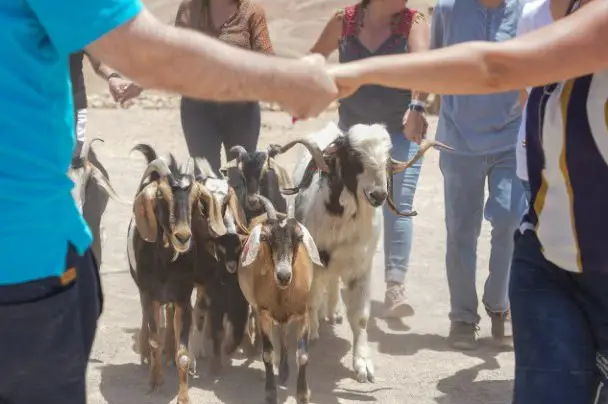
{"x":163,"y":257}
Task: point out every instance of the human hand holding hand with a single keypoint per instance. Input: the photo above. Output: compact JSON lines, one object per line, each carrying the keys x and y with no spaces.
{"x":312,"y":91}
{"x":123,"y":90}
{"x":346,"y":77}
{"x":415,"y":126}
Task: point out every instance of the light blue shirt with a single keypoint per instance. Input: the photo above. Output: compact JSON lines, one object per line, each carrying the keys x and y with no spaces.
{"x":477,"y":124}
{"x":38,"y":216}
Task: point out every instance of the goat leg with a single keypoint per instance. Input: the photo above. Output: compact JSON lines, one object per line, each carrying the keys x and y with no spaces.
{"x":156,"y":369}
{"x":144,"y":332}
{"x":302,"y":390}
{"x":217,"y":336}
{"x":170,"y":341}
{"x":283,"y":362}
{"x":182,"y":321}
{"x":266,"y":326}
{"x":334,"y":315}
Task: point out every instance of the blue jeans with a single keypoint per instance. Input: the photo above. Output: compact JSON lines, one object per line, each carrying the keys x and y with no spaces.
{"x":398,"y":231}
{"x":464,"y":185}
{"x":560,"y":329}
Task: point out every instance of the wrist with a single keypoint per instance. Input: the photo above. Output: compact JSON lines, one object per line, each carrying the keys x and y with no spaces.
{"x":417,"y":105}
{"x":113,"y":75}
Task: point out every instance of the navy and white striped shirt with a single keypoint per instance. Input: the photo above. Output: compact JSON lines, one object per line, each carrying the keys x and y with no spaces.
{"x":567,"y":154}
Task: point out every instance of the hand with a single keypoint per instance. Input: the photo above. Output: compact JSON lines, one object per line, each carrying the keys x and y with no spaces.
{"x":312,"y":89}
{"x":346,"y":78}
{"x":123,"y":90}
{"x":415,"y":126}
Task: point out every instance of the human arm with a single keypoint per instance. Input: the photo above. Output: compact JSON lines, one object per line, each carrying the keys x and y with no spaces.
{"x":158,"y":56}
{"x":328,"y":40}
{"x":122,"y":90}
{"x":260,"y":37}
{"x":414,"y":121}
{"x":571,"y":47}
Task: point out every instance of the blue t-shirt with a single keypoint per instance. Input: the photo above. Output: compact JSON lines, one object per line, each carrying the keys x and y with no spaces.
{"x":485,"y":123}
{"x":38,"y":216}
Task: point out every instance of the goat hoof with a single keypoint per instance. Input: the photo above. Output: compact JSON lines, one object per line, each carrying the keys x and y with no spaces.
{"x":337,"y":318}
{"x":183,"y":400}
{"x":271,"y":397}
{"x":303,"y":398}
{"x":364,"y":370}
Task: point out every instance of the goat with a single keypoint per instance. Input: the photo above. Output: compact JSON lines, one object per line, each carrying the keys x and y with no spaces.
{"x":275,"y":275}
{"x":91,"y":192}
{"x":257,"y":172}
{"x":163,"y":255}
{"x":220,"y":297}
{"x":343,"y":181}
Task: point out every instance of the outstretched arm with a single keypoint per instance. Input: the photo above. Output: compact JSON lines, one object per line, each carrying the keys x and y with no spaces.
{"x":571,"y":47}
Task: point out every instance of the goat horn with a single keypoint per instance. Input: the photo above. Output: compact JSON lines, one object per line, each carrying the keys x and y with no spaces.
{"x":239,"y":151}
{"x":158,"y":166}
{"x":271,"y":212}
{"x":147,"y":150}
{"x":313,"y":149}
{"x":86,"y":148}
{"x":398,"y":166}
{"x":190,"y":166}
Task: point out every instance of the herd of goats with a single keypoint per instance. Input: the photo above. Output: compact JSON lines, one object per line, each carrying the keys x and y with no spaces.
{"x":261,"y":253}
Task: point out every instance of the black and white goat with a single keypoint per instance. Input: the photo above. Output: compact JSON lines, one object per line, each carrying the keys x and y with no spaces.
{"x":257,"y":172}
{"x":91,"y":192}
{"x":162,"y":256}
{"x":343,"y":180}
{"x":275,"y":275}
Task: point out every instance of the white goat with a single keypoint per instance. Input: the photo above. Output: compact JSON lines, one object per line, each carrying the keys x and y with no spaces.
{"x":343,"y":182}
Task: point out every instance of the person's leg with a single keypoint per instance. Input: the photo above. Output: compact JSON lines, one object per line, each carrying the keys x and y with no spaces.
{"x":592,"y":293}
{"x":48,"y":327}
{"x":464,"y":182}
{"x":203,"y":140}
{"x":241,"y":124}
{"x":398,"y":231}
{"x":80,"y":127}
{"x":554,"y":345}
{"x":504,"y":211}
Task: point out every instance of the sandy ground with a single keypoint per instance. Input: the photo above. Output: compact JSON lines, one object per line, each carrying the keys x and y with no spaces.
{"x":414,"y":364}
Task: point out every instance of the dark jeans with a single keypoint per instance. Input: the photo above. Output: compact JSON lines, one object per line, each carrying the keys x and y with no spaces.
{"x":560,"y":329}
{"x":47,"y":330}
{"x":207,"y":125}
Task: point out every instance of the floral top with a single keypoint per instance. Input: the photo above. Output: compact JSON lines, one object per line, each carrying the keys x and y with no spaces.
{"x":247,"y":28}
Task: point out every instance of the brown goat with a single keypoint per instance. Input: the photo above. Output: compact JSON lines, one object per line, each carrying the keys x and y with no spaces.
{"x":275,"y":275}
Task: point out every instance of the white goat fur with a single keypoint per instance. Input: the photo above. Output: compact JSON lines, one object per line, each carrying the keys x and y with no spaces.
{"x":350,"y":239}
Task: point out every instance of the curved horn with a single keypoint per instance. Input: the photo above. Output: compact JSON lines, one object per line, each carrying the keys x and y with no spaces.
{"x":239,"y":151}
{"x":268,"y":207}
{"x":158,"y":166}
{"x":313,"y":149}
{"x":86,"y":148}
{"x":147,"y":150}
{"x":398,"y":166}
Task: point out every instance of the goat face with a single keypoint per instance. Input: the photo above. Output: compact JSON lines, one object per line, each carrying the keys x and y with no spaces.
{"x":360,"y":164}
{"x":165,"y":204}
{"x":229,"y":248}
{"x":246,"y":181}
{"x":281,"y":241}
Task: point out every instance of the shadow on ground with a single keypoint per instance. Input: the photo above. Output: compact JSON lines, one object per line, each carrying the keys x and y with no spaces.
{"x":240,"y":383}
{"x":460,"y":388}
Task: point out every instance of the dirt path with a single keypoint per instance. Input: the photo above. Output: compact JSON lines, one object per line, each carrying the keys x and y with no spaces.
{"x":414,"y":365}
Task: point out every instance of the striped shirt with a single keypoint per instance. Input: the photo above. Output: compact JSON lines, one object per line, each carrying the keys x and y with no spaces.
{"x":567,"y":155}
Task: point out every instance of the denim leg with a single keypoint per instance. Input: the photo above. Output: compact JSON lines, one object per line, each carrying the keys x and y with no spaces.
{"x":555,"y":352}
{"x":464,"y":182}
{"x":398,"y":231}
{"x":504,"y":211}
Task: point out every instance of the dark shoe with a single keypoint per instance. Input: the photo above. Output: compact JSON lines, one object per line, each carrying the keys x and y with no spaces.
{"x":463,"y":336}
{"x":500,"y":323}
{"x":395,"y":303}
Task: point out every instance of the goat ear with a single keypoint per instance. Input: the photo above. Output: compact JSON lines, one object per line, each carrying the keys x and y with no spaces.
{"x":252,"y":246}
{"x":310,"y":245}
{"x":214,"y":211}
{"x":233,"y":203}
{"x":145,"y":217}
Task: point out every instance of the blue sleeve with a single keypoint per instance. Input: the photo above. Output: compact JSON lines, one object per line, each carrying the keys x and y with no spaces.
{"x":437,"y":27}
{"x":72,"y":25}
